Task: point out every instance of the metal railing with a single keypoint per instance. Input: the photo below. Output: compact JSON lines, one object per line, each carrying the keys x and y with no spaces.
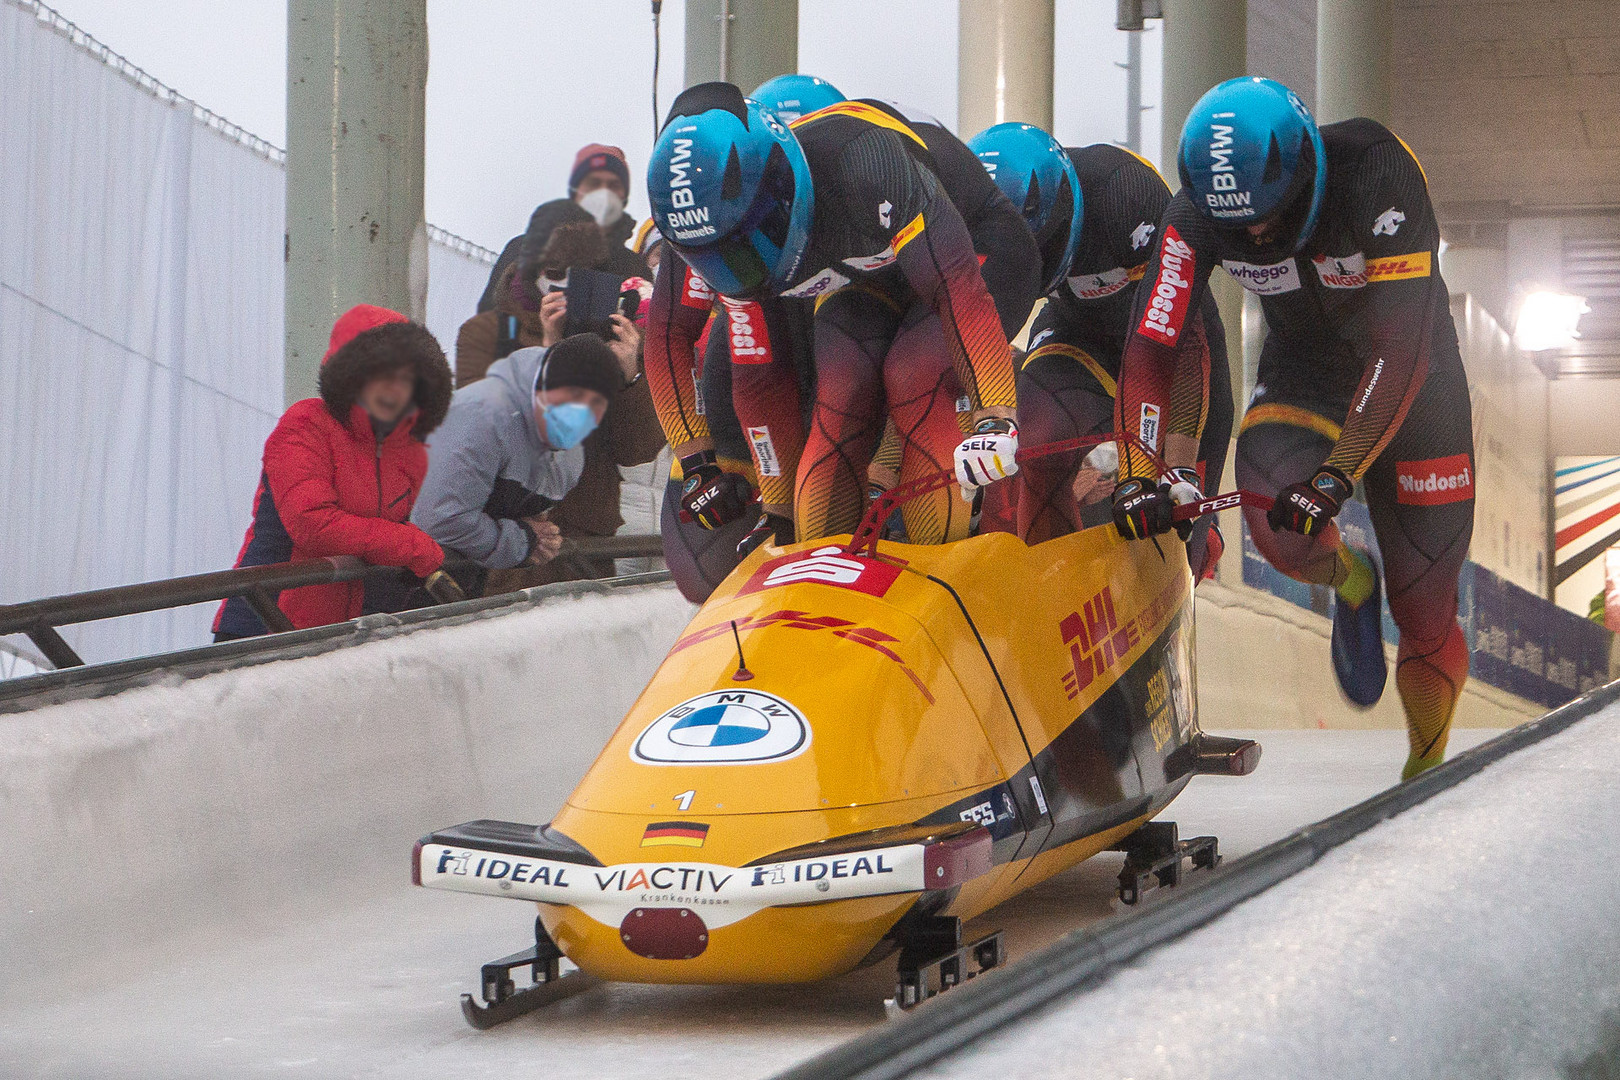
{"x":257,"y":585}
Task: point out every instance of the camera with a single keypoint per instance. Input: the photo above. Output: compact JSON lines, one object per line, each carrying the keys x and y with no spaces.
{"x":594,"y":297}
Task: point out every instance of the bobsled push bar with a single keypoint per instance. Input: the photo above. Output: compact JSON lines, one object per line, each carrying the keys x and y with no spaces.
{"x":866,"y":535}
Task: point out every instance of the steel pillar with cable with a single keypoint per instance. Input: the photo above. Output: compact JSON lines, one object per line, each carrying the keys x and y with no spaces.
{"x":741,"y":41}
{"x":356,"y":105}
{"x":1205,"y":42}
{"x":1355,"y":45}
{"x":1003,"y":63}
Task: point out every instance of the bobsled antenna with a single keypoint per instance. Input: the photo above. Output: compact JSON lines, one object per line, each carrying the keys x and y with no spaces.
{"x":742,"y":674}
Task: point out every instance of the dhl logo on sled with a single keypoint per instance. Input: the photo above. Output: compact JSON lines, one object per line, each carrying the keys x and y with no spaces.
{"x":930,"y":731}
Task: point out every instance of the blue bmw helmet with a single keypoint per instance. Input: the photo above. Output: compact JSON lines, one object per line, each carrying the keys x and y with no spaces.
{"x":730,"y":190}
{"x":1035,"y":172}
{"x":793,"y":96}
{"x":1251,"y":152}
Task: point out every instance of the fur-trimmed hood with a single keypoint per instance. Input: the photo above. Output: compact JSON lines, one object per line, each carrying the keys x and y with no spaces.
{"x":383,"y":347}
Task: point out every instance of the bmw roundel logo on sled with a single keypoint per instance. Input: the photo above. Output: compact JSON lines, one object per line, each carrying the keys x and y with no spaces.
{"x":724,"y":727}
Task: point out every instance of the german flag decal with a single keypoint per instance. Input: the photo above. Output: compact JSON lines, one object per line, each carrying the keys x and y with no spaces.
{"x":675,"y":834}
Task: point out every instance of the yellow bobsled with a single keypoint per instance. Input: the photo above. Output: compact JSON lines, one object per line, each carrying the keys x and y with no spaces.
{"x":849,"y":753}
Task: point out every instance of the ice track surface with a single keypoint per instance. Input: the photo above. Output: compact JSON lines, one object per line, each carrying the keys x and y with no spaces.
{"x":261,"y":922}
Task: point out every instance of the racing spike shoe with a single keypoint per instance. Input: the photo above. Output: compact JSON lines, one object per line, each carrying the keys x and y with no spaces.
{"x":1358,"y":643}
{"x":1416,"y":765}
{"x":1214,"y":548}
{"x":776,"y":530}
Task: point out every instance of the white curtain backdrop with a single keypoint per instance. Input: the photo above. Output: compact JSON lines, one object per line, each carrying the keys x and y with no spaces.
{"x":141,"y":256}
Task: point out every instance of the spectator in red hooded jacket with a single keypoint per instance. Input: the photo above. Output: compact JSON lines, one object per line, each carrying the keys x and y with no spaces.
{"x":342,"y":471}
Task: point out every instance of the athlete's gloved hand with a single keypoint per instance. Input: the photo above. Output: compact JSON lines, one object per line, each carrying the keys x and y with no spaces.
{"x":1142,"y":508}
{"x":1308,"y":507}
{"x":710,"y":496}
{"x":988,"y":455}
{"x":1185,"y":487}
{"x":770,"y":528}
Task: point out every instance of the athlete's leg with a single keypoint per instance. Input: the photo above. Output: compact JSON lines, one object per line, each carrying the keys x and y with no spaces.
{"x":1062,"y":394}
{"x":853,"y":330}
{"x":1282,"y":444}
{"x":922,"y":389}
{"x":1423,"y":534}
{"x":699,"y":559}
{"x":1203,"y":548}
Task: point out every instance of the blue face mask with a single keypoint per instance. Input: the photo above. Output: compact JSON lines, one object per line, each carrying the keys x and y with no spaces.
{"x":568,"y":424}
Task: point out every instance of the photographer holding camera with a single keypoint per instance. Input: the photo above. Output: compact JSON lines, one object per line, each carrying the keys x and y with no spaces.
{"x":556,"y":288}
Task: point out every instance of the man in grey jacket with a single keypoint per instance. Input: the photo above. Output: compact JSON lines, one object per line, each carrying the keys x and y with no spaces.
{"x":509,"y":449}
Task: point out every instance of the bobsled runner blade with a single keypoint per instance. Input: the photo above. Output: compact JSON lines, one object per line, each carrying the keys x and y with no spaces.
{"x":1155,"y":856}
{"x":523,"y":1002}
{"x":503,"y":1001}
{"x":933,"y":959}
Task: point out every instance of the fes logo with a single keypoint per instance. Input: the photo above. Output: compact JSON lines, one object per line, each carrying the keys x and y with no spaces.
{"x":1388,"y":223}
{"x":724,"y":727}
{"x":1104,"y":284}
{"x":1140,"y":236}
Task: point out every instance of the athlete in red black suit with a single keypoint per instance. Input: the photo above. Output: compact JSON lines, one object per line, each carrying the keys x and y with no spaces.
{"x":1360,"y":377}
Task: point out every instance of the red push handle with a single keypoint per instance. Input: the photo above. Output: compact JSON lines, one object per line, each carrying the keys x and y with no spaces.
{"x":1230,"y":501}
{"x":865,"y":538}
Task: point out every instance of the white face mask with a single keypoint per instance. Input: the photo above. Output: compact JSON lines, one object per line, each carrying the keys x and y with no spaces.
{"x":543,"y":284}
{"x":604,"y":205}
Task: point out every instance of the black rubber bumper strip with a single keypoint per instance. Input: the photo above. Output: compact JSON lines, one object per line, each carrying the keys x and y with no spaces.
{"x":956,"y":1018}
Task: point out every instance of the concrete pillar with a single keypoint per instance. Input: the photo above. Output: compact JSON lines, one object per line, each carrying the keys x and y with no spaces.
{"x":741,"y":41}
{"x":1003,"y":63}
{"x":1354,"y":59}
{"x":356,"y":99}
{"x":1205,"y":42}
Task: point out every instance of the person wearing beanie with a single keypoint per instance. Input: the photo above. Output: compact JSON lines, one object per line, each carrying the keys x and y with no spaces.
{"x":341,"y":471}
{"x":529,"y":304}
{"x":511,"y":449}
{"x":531,"y":311}
{"x":599,"y":184}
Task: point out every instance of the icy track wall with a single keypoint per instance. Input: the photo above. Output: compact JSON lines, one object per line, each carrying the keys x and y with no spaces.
{"x":264,"y":793}
{"x":1474,"y":935}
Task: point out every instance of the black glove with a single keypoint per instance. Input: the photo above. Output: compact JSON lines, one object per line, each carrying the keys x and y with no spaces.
{"x":776,"y":530}
{"x":710,"y":496}
{"x":1141,"y":509}
{"x":1307,"y":508}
